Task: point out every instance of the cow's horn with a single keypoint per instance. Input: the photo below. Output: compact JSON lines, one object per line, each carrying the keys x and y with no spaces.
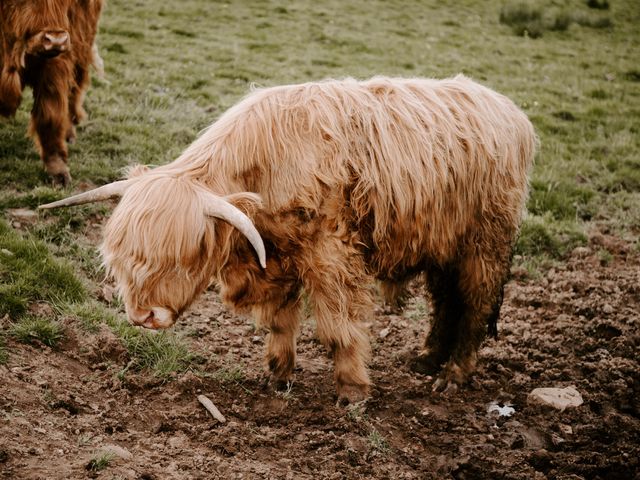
{"x":105,"y":192}
{"x":218,"y":207}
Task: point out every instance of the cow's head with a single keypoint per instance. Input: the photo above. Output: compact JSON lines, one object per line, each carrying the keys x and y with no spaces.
{"x":159,"y":242}
{"x":33,"y":30}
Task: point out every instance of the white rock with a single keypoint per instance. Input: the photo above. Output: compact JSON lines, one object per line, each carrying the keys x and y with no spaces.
{"x":607,"y":308}
{"x":384,"y":333}
{"x":559,"y":398}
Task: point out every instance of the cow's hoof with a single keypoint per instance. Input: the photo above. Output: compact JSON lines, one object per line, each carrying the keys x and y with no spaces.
{"x":352,"y":394}
{"x":443,"y":386}
{"x":282,"y":386}
{"x":426,"y":364}
{"x":451,"y":378}
{"x":61,"y":179}
{"x":58,"y":170}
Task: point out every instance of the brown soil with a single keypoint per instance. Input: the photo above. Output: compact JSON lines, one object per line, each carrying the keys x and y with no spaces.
{"x":577,"y":325}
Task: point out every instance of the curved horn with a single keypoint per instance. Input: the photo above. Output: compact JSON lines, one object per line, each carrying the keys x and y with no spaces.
{"x":105,"y":192}
{"x":218,"y":207}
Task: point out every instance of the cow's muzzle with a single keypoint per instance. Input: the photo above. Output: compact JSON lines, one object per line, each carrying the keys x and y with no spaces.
{"x":48,"y":43}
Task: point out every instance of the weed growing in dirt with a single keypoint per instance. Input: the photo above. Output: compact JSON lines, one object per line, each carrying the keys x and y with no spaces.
{"x":100,"y":462}
{"x":378,"y":442}
{"x":33,"y":330}
{"x":29,"y":273}
{"x":605,"y":257}
{"x":230,"y":374}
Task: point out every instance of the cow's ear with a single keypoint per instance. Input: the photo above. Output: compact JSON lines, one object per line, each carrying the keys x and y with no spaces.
{"x":248,"y":202}
{"x":219,"y":207}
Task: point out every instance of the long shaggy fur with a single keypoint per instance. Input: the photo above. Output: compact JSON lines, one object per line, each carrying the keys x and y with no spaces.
{"x":59,"y":82}
{"x":381,"y":179}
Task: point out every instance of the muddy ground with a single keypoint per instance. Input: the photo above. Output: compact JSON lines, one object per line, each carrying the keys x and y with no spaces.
{"x":576,"y":324}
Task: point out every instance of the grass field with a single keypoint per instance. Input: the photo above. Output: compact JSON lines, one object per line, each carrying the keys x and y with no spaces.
{"x":173,"y":68}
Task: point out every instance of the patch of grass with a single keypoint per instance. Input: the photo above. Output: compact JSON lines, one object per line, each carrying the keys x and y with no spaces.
{"x":563,"y":201}
{"x":540,"y":236}
{"x":532,"y":19}
{"x":29,"y":273}
{"x":4,"y":355}
{"x":35,"y":330}
{"x":605,"y":256}
{"x":90,"y":315}
{"x":164,"y":352}
{"x":100,"y":461}
{"x":524,"y":18}
{"x":230,"y":374}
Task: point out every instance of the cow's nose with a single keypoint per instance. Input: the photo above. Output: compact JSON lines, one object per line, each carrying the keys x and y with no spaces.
{"x":140,"y":316}
{"x":56,"y":41}
{"x":155,"y":318}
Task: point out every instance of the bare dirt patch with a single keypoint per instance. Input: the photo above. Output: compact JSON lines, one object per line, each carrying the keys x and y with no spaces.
{"x":577,"y":325}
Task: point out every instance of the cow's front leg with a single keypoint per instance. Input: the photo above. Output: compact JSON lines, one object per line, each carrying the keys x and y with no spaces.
{"x":339,"y":290}
{"x":282,"y":322}
{"x":50,"y":118}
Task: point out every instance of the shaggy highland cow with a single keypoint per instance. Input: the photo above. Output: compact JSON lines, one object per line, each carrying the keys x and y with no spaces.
{"x":49,"y":46}
{"x":334,"y":184}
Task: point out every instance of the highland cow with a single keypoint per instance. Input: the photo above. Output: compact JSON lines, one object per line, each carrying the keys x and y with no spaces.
{"x":334,"y":184}
{"x":49,"y":46}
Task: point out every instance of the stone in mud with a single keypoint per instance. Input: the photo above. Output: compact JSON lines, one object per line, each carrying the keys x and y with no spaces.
{"x":558,"y":398}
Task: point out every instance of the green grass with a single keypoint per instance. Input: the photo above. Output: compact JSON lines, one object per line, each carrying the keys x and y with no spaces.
{"x":100,"y":461}
{"x":163,"y":353}
{"x":173,"y":68}
{"x":34,"y":330}
{"x":28,"y":273}
{"x":377,"y":442}
{"x":4,"y":355}
{"x":230,"y":374}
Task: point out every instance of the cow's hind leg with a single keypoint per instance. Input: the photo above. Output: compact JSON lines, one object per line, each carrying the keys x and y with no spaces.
{"x":448,"y":308}
{"x":481,"y":282}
